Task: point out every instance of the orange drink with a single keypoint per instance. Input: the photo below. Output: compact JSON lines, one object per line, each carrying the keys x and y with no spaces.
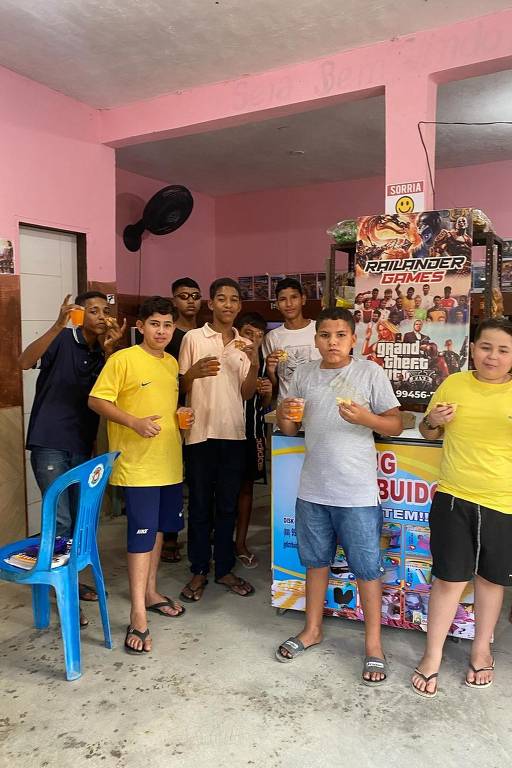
{"x":77,"y":316}
{"x":213,"y":364}
{"x":296,"y":409}
{"x":185,"y":417}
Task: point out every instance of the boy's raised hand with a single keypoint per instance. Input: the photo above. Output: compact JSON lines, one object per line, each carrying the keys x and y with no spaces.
{"x":354,"y":413}
{"x":113,"y":335}
{"x":206,"y":366}
{"x":147,"y":427}
{"x":64,"y":311}
{"x":272,"y":361}
{"x":251,"y":350}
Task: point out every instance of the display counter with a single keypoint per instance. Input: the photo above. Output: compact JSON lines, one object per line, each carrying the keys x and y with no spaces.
{"x":407,"y":475}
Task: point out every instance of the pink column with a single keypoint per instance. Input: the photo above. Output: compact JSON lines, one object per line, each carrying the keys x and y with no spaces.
{"x":410,"y":98}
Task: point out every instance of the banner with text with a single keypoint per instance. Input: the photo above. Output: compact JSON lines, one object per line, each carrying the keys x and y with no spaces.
{"x":413,"y":279}
{"x":407,"y":478}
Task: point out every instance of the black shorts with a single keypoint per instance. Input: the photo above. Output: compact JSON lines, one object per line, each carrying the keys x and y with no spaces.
{"x":255,"y":464}
{"x":468,"y":539}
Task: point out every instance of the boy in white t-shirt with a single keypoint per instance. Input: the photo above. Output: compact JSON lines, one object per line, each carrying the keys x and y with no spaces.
{"x":293,"y":343}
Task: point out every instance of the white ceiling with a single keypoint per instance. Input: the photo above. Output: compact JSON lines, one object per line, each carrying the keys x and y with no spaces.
{"x":111,"y":52}
{"x":339,"y":143}
{"x":342,"y":142}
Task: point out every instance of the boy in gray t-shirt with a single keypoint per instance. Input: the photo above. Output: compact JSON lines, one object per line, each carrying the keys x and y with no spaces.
{"x":343,"y":400}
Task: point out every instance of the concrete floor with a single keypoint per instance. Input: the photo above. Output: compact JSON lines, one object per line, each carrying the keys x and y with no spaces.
{"x":211,"y":693}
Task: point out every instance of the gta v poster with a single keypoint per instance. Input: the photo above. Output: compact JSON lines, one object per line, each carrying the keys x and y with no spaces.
{"x":413,"y":279}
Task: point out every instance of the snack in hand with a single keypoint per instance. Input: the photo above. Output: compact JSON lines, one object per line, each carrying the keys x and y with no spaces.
{"x":239,"y":344}
{"x":282,"y":355}
{"x":343,"y":401}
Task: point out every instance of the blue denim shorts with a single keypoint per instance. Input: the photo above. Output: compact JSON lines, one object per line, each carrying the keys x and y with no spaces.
{"x":321,"y":527}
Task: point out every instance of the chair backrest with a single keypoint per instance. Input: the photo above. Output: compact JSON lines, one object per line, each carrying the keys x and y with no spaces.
{"x":91,"y":477}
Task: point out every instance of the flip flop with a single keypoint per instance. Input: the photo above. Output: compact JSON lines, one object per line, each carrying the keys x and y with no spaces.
{"x":426,"y":694}
{"x":248,"y":561}
{"x":85,"y":589}
{"x":374,"y":664}
{"x":141,"y":635}
{"x":239,"y":583}
{"x":157,"y":608}
{"x":197,"y":591}
{"x":171,"y":554}
{"x":295,"y":647}
{"x":84,"y":621}
{"x":476,"y":671}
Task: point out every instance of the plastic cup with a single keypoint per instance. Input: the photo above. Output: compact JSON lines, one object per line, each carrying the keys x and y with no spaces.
{"x":185,"y":417}
{"x":296,"y":409}
{"x":77,"y":316}
{"x":214,"y":365}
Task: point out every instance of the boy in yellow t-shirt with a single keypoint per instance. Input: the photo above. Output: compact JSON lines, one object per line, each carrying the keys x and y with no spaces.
{"x":137,"y":392}
{"x":471,"y":514}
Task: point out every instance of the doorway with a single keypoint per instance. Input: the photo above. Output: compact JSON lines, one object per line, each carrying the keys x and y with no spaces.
{"x":51,"y":266}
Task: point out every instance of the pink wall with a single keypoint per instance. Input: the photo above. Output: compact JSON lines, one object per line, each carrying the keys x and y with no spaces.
{"x":284,"y":230}
{"x":487,"y":186}
{"x":53,"y":171}
{"x":190,"y":251}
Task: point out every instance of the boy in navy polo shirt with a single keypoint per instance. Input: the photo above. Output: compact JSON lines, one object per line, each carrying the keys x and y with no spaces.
{"x":62,"y":429}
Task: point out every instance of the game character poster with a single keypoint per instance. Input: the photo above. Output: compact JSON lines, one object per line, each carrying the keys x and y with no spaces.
{"x":506,"y":267}
{"x":261,"y":287}
{"x":274,"y":280}
{"x":413,"y":280}
{"x":247,"y":287}
{"x":309,"y":284}
{"x":407,"y":477}
{"x":6,"y":257}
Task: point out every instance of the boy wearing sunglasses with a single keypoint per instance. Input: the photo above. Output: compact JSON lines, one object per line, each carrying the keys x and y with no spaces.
{"x":186,"y":297}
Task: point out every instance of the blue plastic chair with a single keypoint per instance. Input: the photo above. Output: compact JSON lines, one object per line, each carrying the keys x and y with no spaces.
{"x":91,"y":477}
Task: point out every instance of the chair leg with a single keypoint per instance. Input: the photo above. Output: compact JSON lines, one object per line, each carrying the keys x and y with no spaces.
{"x":102,"y":600}
{"x":41,"y":605}
{"x":69,"y":612}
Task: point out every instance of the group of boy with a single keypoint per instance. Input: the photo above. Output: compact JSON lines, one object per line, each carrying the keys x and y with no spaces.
{"x":370,"y":307}
{"x":214,"y":371}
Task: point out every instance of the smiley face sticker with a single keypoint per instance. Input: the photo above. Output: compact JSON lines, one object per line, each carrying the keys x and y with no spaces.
{"x":404,"y":204}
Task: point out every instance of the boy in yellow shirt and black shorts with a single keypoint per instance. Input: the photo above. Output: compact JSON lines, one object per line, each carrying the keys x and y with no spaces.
{"x":471,"y":514}
{"x":137,"y":391}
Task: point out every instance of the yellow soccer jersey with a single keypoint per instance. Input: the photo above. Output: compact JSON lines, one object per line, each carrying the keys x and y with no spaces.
{"x":476,"y":463}
{"x":143,"y":385}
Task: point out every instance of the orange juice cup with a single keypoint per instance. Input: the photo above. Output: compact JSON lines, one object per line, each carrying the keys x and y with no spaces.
{"x":77,"y":316}
{"x":185,"y":416}
{"x":214,"y":364}
{"x":296,"y":409}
